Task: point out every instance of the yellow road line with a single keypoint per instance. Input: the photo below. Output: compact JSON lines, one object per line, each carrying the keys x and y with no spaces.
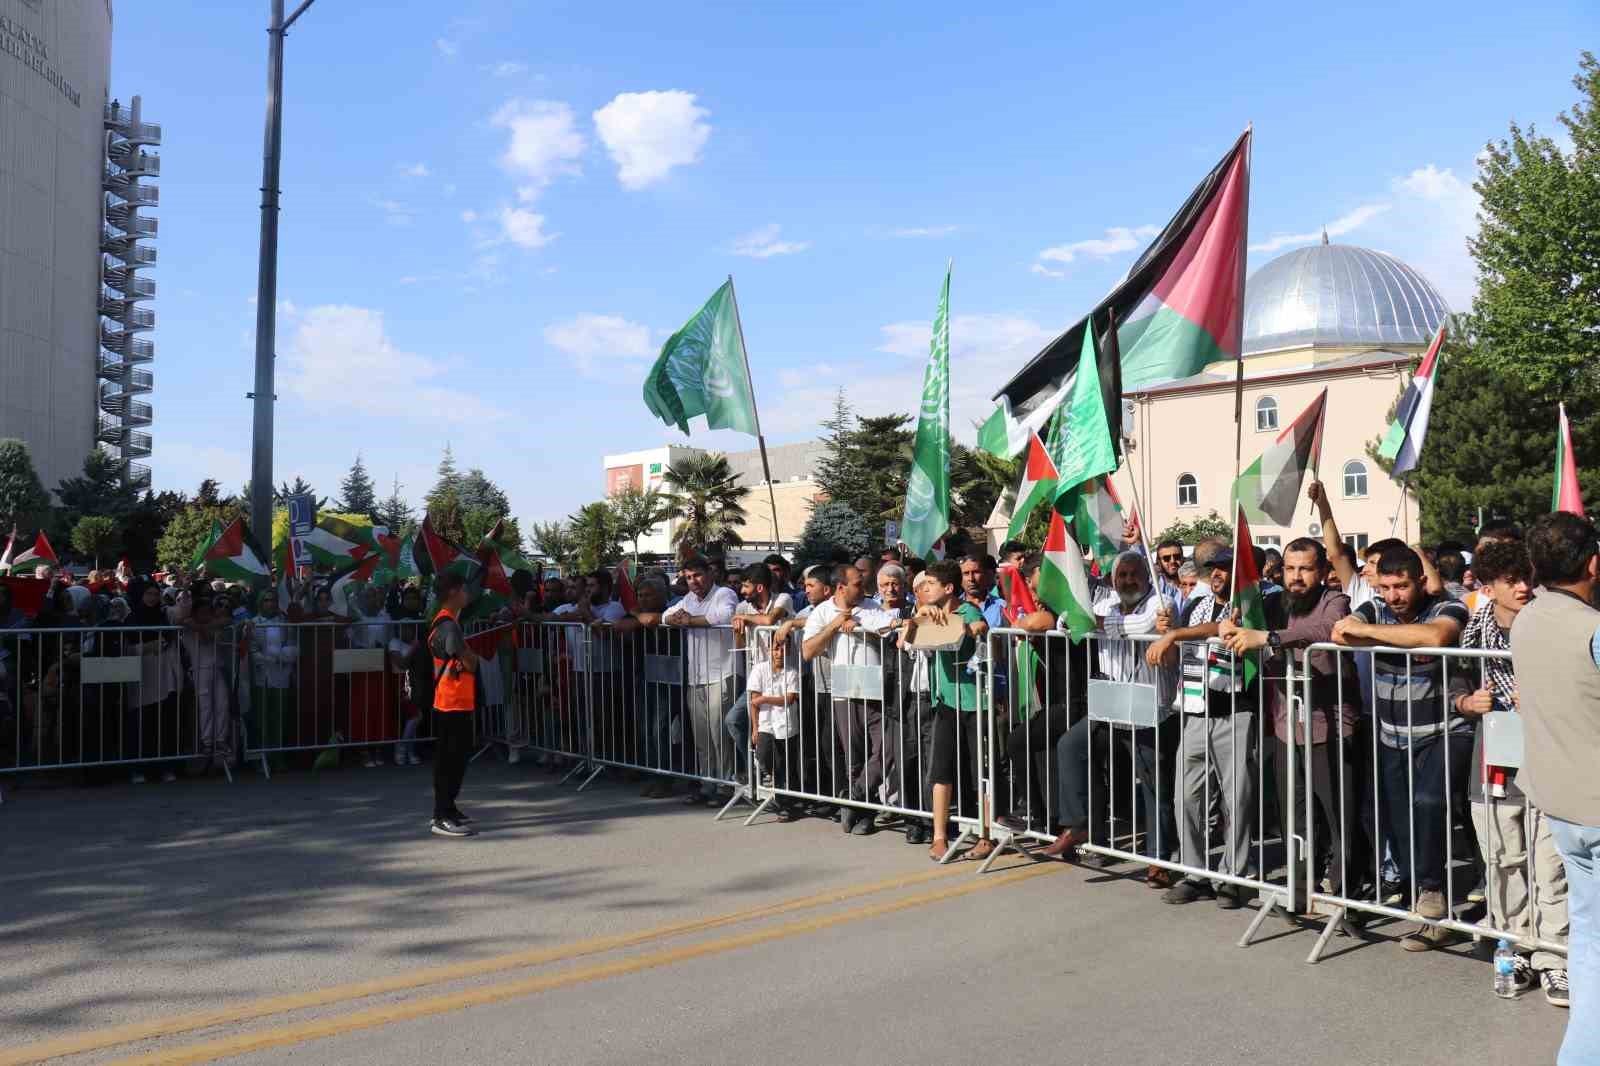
{"x":98,"y":1039}
{"x":266,"y":1039}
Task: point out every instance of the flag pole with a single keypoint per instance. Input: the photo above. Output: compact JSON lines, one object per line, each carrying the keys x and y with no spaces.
{"x":1238,"y":379}
{"x":761,"y":442}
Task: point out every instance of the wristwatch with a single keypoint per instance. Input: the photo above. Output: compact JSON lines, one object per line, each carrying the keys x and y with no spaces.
{"x":1274,"y":641}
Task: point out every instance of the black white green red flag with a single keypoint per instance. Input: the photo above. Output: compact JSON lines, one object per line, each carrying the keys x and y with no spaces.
{"x":1038,"y":485}
{"x":40,"y":554}
{"x":1566,"y":495}
{"x":232,"y":554}
{"x":1063,"y":582}
{"x":1269,"y":488}
{"x":1247,"y":595}
{"x":1402,"y":444}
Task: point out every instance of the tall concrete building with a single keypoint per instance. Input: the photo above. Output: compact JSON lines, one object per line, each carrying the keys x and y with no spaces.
{"x":74,"y":230}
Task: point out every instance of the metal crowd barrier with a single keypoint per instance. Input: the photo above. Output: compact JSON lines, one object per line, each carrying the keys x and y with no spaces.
{"x":1160,"y":766}
{"x":151,"y":699}
{"x":1458,"y":830}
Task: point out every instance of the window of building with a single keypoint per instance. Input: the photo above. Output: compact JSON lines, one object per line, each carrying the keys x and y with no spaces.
{"x":1266,"y":414}
{"x":1188,"y":491}
{"x":1269,"y":541}
{"x":1355,"y":480}
{"x":1357,"y":541}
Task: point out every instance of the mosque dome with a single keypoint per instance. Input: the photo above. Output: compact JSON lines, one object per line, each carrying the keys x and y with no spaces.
{"x":1338,"y":295}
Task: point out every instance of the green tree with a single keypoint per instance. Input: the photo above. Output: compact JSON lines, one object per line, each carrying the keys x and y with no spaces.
{"x":594,"y":535}
{"x":447,"y":516}
{"x":838,"y":471}
{"x":143,"y":526}
{"x":833,"y":529}
{"x":1537,"y":311}
{"x":707,"y":500}
{"x":477,"y":492}
{"x":481,"y":521}
{"x":357,"y":495}
{"x":1190,"y":532}
{"x":554,"y":541}
{"x":637,"y":511}
{"x":395,"y":513}
{"x":99,"y":490}
{"x":97,"y":536}
{"x":447,"y":480}
{"x":24,"y":503}
{"x":188,"y":529}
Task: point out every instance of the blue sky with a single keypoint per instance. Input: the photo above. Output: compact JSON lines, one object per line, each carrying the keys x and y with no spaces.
{"x":494,"y":213}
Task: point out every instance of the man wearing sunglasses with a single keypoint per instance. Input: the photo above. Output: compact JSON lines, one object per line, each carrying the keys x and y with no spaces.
{"x":1169,"y":557}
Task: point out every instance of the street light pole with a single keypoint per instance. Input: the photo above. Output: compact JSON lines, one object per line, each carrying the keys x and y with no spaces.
{"x":267,"y":277}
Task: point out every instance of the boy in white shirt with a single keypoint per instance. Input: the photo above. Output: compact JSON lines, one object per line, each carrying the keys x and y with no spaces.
{"x":774,"y":692}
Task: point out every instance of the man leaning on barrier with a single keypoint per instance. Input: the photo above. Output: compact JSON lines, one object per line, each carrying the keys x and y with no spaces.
{"x":1217,"y":750}
{"x":709,"y":692}
{"x":1312,"y":609}
{"x":1422,"y":745}
{"x":1555,"y":647}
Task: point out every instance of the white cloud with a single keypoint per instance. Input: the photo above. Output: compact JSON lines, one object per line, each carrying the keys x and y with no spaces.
{"x":649,"y":133}
{"x":764,"y":243}
{"x":545,"y":142}
{"x":409,"y":279}
{"x":415,"y":170}
{"x":1431,"y":183}
{"x":524,"y":228}
{"x":587,"y":339}
{"x":447,"y":48}
{"x":395,"y":212}
{"x":507,"y":69}
{"x":340,"y":359}
{"x":469,"y":216}
{"x":1438,"y":213}
{"x":985,"y":349}
{"x":924,"y":231}
{"x":1044,"y":271}
{"x":1345,"y":223}
{"x":1118,"y":239}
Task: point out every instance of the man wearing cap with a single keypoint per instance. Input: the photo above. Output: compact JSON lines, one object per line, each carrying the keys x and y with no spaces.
{"x":1216,"y":757}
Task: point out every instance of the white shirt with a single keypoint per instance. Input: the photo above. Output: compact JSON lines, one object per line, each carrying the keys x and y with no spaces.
{"x":861,"y":648}
{"x":1123,"y":660}
{"x":779,"y":607}
{"x":782,"y":722}
{"x":608,"y":613}
{"x":1360,"y":591}
{"x":274,"y":649}
{"x":710,"y":650}
{"x":370,"y":630}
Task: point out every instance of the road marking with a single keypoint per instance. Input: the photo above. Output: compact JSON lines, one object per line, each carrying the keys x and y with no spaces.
{"x":99,"y":1039}
{"x":375,"y":1017}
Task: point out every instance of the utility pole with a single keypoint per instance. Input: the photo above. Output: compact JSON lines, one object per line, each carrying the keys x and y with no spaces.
{"x":267,"y":277}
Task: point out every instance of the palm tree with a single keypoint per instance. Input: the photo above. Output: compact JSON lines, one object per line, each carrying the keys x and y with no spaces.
{"x":706,"y":499}
{"x":594,"y":535}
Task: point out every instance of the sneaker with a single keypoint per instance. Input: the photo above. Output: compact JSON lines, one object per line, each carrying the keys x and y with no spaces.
{"x":369,"y":762}
{"x":1430,"y":904}
{"x":1478,"y":894}
{"x":1187,"y":891}
{"x":446,"y":827}
{"x":457,"y":817}
{"x":413,"y":759}
{"x":136,"y":778}
{"x":513,"y":756}
{"x":918,"y":833}
{"x":1555,"y":987}
{"x":168,"y":777}
{"x":847,"y":818}
{"x":863,"y":827}
{"x":1017,"y":823}
{"x":1231,"y":897}
{"x":1390,"y":893}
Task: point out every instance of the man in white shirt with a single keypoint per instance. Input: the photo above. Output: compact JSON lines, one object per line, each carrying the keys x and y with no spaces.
{"x":816,"y":709}
{"x":594,"y":661}
{"x":852,"y":634}
{"x":705,"y":613}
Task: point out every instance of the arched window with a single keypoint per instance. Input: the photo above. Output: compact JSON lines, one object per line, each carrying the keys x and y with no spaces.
{"x":1266,"y":414}
{"x":1188,"y":491}
{"x":1355,"y":480}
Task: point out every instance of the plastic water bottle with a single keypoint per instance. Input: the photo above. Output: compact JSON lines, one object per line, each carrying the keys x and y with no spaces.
{"x":1505,"y":971}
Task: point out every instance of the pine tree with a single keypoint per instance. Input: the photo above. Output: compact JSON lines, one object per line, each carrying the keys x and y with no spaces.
{"x":395,"y":513}
{"x":99,"y":491}
{"x":448,"y":480}
{"x":24,"y":503}
{"x":833,"y":532}
{"x":477,"y":493}
{"x":837,"y":473}
{"x":356,"y":492}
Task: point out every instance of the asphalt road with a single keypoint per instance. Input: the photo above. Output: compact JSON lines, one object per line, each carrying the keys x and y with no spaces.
{"x":313,"y":918}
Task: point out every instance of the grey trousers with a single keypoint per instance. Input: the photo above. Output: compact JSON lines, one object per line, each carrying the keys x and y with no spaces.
{"x":1506,"y":828}
{"x":1216,"y":768}
{"x":713,"y":751}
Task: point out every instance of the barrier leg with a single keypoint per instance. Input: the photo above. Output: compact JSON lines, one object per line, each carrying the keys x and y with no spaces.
{"x":741,"y":794}
{"x":1337,"y":923}
{"x":766,"y":801}
{"x":598,"y":767}
{"x":956,"y":845}
{"x":1268,"y":905}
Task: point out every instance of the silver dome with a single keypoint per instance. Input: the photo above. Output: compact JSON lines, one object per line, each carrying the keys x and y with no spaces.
{"x":1338,"y":294}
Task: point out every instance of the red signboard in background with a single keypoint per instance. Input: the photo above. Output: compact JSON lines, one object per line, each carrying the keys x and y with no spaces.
{"x":624,"y":477}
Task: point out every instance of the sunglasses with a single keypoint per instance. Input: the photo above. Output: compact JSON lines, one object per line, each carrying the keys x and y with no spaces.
{"x":1170,"y":558}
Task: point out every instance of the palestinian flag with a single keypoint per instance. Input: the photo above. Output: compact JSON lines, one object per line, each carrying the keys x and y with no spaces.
{"x":350,"y":579}
{"x":500,"y":562}
{"x":333,"y":540}
{"x":1566,"y":496}
{"x":41,"y":554}
{"x":1402,"y":445}
{"x":1180,"y":308}
{"x":231,"y":554}
{"x":283,"y":563}
{"x":1006,"y":436}
{"x":1269,"y":488}
{"x":1038,"y":484}
{"x":1247,"y":590}
{"x":624,"y":589}
{"x":441,"y":555}
{"x":1096,"y":515}
{"x":1020,"y":603}
{"x":1063,"y":584}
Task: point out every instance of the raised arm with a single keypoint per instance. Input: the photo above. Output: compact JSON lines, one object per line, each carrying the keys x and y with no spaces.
{"x":1330,"y":534}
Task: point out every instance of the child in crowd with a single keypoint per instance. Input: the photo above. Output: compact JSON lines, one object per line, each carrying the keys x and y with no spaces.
{"x":774,"y":691}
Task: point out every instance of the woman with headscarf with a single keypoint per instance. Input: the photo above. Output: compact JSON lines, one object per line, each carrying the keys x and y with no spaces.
{"x":150,"y":715}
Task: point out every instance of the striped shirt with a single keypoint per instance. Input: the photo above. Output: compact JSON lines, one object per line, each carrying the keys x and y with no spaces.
{"x":1410,"y":699}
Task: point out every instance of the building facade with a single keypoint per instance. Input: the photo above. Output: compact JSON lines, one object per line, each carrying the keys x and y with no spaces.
{"x":1351,"y":320}
{"x":794,"y":489}
{"x":74,"y":188}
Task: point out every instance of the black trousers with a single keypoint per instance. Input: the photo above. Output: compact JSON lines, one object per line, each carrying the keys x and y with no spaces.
{"x":452,"y":731}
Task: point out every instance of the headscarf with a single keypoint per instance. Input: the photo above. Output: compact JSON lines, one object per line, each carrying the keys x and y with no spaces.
{"x":138,"y":614}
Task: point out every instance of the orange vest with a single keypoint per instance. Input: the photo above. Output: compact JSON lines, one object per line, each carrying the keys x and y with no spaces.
{"x":457,"y":693}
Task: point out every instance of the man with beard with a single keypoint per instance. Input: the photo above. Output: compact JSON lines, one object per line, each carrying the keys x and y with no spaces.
{"x":1313,"y":608}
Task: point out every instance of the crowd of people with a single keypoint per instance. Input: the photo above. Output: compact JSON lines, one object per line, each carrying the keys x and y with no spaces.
{"x":851,"y":691}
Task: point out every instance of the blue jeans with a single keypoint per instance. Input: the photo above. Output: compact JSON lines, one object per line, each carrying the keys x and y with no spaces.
{"x":737,"y":725}
{"x":1580,"y":849}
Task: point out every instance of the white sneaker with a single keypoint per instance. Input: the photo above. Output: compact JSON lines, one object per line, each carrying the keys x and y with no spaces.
{"x":136,"y":778}
{"x":1555,"y":988}
{"x":169,"y":777}
{"x":413,"y":759}
{"x":369,"y":762}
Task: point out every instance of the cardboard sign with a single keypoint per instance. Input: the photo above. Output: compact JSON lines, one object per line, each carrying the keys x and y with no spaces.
{"x":946,"y":637}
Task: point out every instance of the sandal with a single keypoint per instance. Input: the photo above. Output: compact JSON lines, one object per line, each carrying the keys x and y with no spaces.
{"x":936,"y":852}
{"x":981,"y":850}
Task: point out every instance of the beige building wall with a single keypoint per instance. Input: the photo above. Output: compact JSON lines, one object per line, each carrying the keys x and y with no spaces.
{"x":794,"y":499}
{"x":1191,"y":431}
